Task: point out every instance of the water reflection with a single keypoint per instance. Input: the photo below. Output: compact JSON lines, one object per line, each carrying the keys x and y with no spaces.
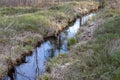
{"x":36,"y":64}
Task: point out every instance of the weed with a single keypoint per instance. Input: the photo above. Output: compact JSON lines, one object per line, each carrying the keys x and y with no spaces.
{"x":72,"y":41}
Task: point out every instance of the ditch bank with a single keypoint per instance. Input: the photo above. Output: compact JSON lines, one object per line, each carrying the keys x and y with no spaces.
{"x":12,"y":64}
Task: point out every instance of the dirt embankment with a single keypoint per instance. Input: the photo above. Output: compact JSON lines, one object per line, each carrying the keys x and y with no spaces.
{"x":30,"y":29}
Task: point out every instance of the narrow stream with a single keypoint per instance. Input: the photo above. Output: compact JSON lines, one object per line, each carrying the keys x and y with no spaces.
{"x":36,"y":64}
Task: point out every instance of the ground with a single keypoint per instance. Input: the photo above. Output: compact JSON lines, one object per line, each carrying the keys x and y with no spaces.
{"x":21,"y":29}
{"x":96,"y":54}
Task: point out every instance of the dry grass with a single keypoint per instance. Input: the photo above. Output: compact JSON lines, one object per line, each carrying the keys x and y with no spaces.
{"x":93,"y":60}
{"x":20,"y":32}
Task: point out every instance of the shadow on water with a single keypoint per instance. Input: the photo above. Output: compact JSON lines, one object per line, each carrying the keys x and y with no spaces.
{"x":36,"y":64}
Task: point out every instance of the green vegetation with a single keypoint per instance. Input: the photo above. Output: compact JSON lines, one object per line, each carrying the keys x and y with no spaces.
{"x":36,"y":21}
{"x":21,"y":28}
{"x":58,"y":59}
{"x":28,"y":48}
{"x":105,"y":63}
{"x":16,"y":10}
{"x":99,"y":58}
{"x":72,"y":41}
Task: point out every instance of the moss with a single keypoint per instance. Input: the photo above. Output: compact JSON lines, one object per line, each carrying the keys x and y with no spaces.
{"x":28,"y":48}
{"x":46,"y":78}
{"x":72,"y":41}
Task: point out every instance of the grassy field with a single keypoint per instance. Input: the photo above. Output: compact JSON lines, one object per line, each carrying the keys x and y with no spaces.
{"x":98,"y":59}
{"x":21,"y":28}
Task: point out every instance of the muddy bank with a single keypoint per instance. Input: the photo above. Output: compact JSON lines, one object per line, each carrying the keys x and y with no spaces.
{"x":17,"y":59}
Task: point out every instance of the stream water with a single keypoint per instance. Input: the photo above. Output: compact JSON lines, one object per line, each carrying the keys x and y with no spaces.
{"x":35,"y":65}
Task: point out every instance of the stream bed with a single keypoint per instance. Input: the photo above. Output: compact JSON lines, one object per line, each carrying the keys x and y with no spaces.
{"x":35,"y":64}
